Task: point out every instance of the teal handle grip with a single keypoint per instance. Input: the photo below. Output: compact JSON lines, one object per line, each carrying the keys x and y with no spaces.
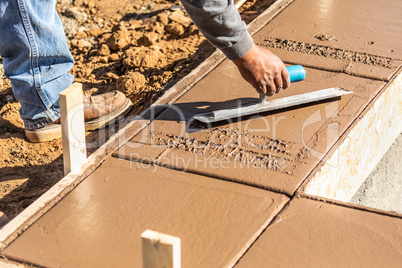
{"x":296,"y":73}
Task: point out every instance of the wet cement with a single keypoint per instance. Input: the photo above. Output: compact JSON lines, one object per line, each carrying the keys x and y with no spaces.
{"x":354,"y":37}
{"x":361,"y":26}
{"x":273,"y":150}
{"x":100,"y":222}
{"x":316,"y":234}
{"x":278,"y":150}
{"x":327,"y":52}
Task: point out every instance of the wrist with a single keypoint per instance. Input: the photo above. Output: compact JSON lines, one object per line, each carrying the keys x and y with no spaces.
{"x":246,"y":57}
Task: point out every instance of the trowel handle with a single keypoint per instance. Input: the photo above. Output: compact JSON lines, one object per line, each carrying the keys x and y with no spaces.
{"x":296,"y":73}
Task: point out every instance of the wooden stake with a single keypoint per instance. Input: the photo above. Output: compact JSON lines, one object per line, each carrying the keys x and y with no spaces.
{"x":73,"y":128}
{"x":160,"y":250}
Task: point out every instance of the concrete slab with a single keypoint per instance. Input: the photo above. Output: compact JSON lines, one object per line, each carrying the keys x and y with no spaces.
{"x":366,"y":26}
{"x":358,"y":150}
{"x":96,"y":224}
{"x":266,"y":150}
{"x":357,"y":37}
{"x":310,"y":233}
{"x":383,"y":187}
{"x":99,"y":223}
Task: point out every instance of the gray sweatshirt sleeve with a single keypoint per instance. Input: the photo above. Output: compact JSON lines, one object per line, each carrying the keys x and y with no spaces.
{"x":221,"y":24}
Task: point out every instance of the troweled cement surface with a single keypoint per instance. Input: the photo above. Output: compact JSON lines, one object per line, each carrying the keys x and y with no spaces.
{"x":100,"y":222}
{"x":274,"y":151}
{"x":310,"y":233}
{"x":356,"y":37}
{"x":278,"y":150}
{"x":366,"y":26}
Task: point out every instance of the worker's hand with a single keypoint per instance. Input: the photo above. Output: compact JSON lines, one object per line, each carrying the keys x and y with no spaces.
{"x":263,"y":70}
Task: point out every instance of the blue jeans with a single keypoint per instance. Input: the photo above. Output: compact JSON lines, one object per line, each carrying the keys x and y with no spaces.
{"x":36,"y":58}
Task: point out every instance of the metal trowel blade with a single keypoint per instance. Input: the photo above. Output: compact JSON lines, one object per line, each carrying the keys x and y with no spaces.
{"x":271,"y":105}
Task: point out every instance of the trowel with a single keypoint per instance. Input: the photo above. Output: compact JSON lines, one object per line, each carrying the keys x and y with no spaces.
{"x":296,"y":73}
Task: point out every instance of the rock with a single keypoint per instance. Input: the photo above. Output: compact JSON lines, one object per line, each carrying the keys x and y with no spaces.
{"x":175,"y":28}
{"x":70,"y":26}
{"x":94,"y":32}
{"x":121,"y":26}
{"x":148,"y":39}
{"x":163,"y":18}
{"x":72,"y":12}
{"x":142,"y":57}
{"x":104,"y":59}
{"x":135,"y":24}
{"x":114,"y":57}
{"x":131,"y":84}
{"x":64,"y":2}
{"x":178,"y":16}
{"x":110,"y":76}
{"x":91,"y":91}
{"x":158,"y":27}
{"x":80,"y":35}
{"x":193,"y":29}
{"x":118,"y":40}
{"x":175,"y":8}
{"x":103,"y":38}
{"x":91,"y":5}
{"x":104,"y":50}
{"x":93,"y":52}
{"x":81,"y":44}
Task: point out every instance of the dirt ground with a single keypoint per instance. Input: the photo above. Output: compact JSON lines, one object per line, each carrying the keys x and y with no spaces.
{"x":139,"y":47}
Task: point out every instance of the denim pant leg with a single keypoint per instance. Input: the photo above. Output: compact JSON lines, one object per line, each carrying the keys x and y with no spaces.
{"x":36,"y":57}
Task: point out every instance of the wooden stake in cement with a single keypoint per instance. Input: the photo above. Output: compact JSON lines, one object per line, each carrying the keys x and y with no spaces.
{"x":160,"y":250}
{"x":73,"y":128}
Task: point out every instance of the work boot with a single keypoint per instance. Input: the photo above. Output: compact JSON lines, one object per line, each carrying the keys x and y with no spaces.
{"x":98,"y":111}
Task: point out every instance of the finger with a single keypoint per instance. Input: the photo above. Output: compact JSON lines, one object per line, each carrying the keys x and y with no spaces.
{"x":285,"y":78}
{"x":262,"y":88}
{"x":271,"y":88}
{"x":278,"y":83}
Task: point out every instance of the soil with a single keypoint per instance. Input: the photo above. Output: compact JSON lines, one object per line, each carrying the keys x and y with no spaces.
{"x":140,"y":48}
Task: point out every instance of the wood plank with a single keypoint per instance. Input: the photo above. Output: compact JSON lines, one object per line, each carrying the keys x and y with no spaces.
{"x":9,"y":264}
{"x":160,"y":250}
{"x":73,"y":128}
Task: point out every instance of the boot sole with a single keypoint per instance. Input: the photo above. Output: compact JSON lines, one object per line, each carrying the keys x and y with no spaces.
{"x":53,"y":131}
{"x":104,"y":120}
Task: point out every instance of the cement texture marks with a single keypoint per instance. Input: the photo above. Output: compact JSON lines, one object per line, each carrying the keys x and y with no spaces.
{"x":99,"y":223}
{"x":274,"y":151}
{"x":360,"y":33}
{"x":310,"y":233}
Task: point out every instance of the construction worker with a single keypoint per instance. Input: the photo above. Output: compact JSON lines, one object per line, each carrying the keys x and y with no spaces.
{"x":37,"y":60}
